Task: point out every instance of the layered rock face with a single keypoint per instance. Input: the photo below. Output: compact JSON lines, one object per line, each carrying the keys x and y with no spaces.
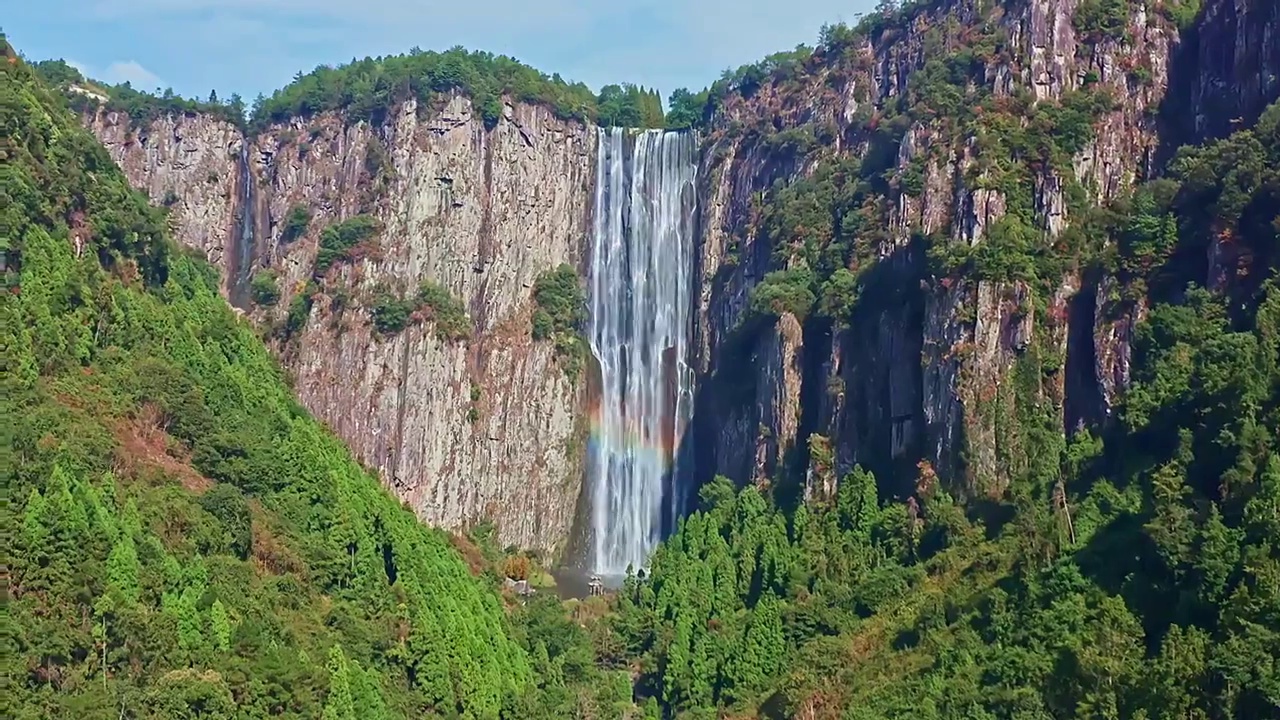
{"x":487,"y":428}
{"x":936,"y":374}
{"x":189,"y":163}
{"x":936,"y":128}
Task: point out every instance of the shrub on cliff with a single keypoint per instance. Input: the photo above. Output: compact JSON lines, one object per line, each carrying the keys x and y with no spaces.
{"x":561,"y":301}
{"x":390,"y":313}
{"x":433,"y":303}
{"x":295,"y":223}
{"x":560,"y":315}
{"x":783,"y":291}
{"x":337,"y":241}
{"x":445,"y":311}
{"x":264,"y":289}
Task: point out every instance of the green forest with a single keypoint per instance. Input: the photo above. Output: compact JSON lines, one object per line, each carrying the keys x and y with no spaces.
{"x":185,"y":541}
{"x":365,"y":90}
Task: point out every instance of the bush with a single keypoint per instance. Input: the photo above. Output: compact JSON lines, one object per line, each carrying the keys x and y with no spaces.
{"x":783,"y":291}
{"x":560,"y":315}
{"x":1098,"y":19}
{"x":299,"y":310}
{"x":336,"y":241}
{"x":295,"y":223}
{"x":543,"y":325}
{"x":561,"y":300}
{"x":263,"y":288}
{"x":445,"y":310}
{"x":390,"y":313}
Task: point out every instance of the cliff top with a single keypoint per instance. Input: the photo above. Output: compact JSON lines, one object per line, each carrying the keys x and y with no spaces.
{"x":365,"y":89}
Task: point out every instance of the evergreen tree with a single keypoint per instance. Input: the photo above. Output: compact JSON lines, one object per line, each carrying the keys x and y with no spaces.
{"x":220,"y":626}
{"x":340,"y":704}
{"x":123,"y":568}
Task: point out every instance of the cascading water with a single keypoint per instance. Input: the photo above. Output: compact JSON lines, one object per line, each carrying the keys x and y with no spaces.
{"x":243,"y":258}
{"x":640,"y":319}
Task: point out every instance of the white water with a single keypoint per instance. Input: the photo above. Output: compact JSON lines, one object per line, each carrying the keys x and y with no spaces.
{"x":641,"y":296}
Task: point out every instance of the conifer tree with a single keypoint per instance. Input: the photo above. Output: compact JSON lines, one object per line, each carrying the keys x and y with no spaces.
{"x":123,"y":569}
{"x":220,"y":626}
{"x":339,"y":704}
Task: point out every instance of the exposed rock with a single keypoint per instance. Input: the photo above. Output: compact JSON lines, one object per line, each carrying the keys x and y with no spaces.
{"x":481,"y":212}
{"x":189,"y":163}
{"x":1235,"y":70}
{"x":925,"y":375}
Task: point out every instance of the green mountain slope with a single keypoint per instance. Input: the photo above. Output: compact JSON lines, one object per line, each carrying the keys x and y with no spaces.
{"x":183,"y":539}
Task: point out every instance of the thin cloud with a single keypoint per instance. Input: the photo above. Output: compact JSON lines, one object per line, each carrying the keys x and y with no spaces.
{"x":251,"y":46}
{"x":132,"y":72}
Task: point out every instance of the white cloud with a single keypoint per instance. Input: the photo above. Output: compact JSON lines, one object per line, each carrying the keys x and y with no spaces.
{"x":131,"y":71}
{"x":120,"y":71}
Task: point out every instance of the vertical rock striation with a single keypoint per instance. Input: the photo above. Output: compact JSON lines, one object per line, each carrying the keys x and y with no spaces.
{"x":486,"y":429}
{"x":187,"y":163}
{"x":932,"y":367}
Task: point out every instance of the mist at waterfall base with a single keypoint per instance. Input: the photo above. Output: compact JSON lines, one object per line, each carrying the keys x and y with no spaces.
{"x":640,"y":314}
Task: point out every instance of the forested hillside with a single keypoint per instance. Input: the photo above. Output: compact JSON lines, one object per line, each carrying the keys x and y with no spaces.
{"x":187,"y":542}
{"x":184,"y":540}
{"x":1135,"y":574}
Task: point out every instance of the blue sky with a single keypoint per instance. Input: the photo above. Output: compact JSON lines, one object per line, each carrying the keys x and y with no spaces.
{"x":252,"y":46}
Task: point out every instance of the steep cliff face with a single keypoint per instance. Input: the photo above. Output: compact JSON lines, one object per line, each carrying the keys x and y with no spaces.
{"x":932,"y":136}
{"x":1232,"y":65}
{"x":463,"y":430}
{"x":189,"y":163}
{"x":485,"y":428}
{"x":938,"y":172}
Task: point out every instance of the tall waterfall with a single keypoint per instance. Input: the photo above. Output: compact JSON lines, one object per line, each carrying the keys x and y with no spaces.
{"x":238,"y":289}
{"x":640,"y":319}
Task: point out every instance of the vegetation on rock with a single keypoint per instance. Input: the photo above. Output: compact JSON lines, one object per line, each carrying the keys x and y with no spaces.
{"x":366,"y":89}
{"x":264,"y":288}
{"x":339,"y":240}
{"x":295,"y":223}
{"x":142,"y":106}
{"x":560,"y":314}
{"x":433,"y":303}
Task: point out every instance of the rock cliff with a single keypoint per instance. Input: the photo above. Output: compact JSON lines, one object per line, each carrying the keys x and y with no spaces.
{"x":189,"y":163}
{"x":463,"y":430}
{"x":931,"y":135}
{"x":940,"y":168}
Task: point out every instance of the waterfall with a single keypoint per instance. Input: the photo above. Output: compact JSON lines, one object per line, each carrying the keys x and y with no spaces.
{"x":641,"y":293}
{"x":238,"y":288}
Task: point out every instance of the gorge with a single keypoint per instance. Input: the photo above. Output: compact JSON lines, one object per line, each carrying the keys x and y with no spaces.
{"x":491,"y":428}
{"x":928,"y":373}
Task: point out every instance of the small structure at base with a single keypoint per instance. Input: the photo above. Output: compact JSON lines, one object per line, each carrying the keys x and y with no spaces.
{"x":519,"y":587}
{"x":596,"y":585}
